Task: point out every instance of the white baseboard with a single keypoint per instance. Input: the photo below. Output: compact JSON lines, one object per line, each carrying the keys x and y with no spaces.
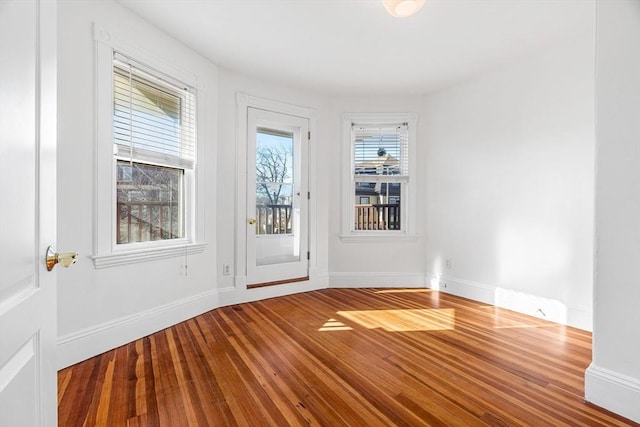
{"x":231,"y":296}
{"x":86,"y":343}
{"x":463,"y":288}
{"x":89,"y":342}
{"x":376,"y":280}
{"x":521,"y":302}
{"x":613,"y":391}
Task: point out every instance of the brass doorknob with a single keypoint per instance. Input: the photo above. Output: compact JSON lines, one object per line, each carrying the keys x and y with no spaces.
{"x":252,"y":221}
{"x":53,"y":258}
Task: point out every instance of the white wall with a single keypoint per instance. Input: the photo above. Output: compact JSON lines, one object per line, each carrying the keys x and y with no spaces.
{"x":510,"y":184}
{"x":393,"y":263}
{"x":100,"y":309}
{"x":613,"y":379}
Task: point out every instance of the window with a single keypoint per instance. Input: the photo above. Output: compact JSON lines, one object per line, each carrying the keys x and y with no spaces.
{"x":379,"y":171}
{"x":149,"y":133}
{"x":154,"y":147}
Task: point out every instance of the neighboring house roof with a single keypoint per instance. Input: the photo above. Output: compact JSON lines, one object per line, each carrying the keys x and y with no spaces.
{"x":383,"y":165}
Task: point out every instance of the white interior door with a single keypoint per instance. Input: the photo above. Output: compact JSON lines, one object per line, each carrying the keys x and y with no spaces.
{"x":277,"y":203}
{"x":28,"y":214}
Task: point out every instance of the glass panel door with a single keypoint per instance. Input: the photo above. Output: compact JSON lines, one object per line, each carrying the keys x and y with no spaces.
{"x":277,"y":217}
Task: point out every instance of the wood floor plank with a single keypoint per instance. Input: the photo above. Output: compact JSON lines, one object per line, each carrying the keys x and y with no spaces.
{"x":341,"y":357}
{"x":306,"y":373}
{"x":63,"y":382}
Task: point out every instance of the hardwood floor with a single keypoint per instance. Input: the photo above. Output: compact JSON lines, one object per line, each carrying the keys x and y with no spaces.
{"x":341,"y":357}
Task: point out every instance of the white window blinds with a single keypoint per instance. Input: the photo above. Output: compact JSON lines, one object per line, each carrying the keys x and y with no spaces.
{"x":380,"y":149}
{"x":153,"y":116}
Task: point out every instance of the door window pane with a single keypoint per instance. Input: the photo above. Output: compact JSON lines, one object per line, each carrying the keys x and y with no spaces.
{"x":274,"y":218}
{"x":274,"y":181}
{"x":276,"y":213}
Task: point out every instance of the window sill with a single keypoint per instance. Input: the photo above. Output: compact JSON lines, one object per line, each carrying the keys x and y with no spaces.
{"x":378,"y":238}
{"x":149,"y":254}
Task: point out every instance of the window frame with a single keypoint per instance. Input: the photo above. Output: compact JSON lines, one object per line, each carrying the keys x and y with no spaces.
{"x":107,"y":252}
{"x":130,"y":116}
{"x":408,"y":192}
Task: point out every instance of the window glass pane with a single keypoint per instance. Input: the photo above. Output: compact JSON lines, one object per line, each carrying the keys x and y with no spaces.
{"x":150,"y":202}
{"x":382,"y":210}
{"x":380,"y":150}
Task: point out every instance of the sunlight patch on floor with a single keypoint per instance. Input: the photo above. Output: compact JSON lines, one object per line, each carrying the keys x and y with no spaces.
{"x":334,"y":325}
{"x":403,"y":320}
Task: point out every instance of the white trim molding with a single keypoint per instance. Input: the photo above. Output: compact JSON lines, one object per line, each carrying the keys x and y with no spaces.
{"x":391,"y":237}
{"x":501,"y":296}
{"x":132,"y":257}
{"x":463,"y":288}
{"x":88,"y":342}
{"x":370,"y":279}
{"x":231,"y":296}
{"x":613,"y":391}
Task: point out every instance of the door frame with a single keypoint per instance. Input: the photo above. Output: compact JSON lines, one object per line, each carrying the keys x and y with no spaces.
{"x":243,"y":103}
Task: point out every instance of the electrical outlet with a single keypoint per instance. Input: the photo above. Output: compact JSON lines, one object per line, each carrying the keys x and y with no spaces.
{"x":226,"y":269}
{"x":448,"y":263}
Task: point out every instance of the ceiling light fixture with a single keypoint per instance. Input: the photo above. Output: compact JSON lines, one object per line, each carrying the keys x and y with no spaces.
{"x":403,"y":8}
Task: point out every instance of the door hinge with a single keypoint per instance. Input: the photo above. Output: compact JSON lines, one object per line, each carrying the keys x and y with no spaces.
{"x":308,"y":255}
{"x":308,"y":195}
{"x":309,"y":135}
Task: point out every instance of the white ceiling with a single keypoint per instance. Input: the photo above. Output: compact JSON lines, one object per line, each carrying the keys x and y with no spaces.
{"x":355,"y":47}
